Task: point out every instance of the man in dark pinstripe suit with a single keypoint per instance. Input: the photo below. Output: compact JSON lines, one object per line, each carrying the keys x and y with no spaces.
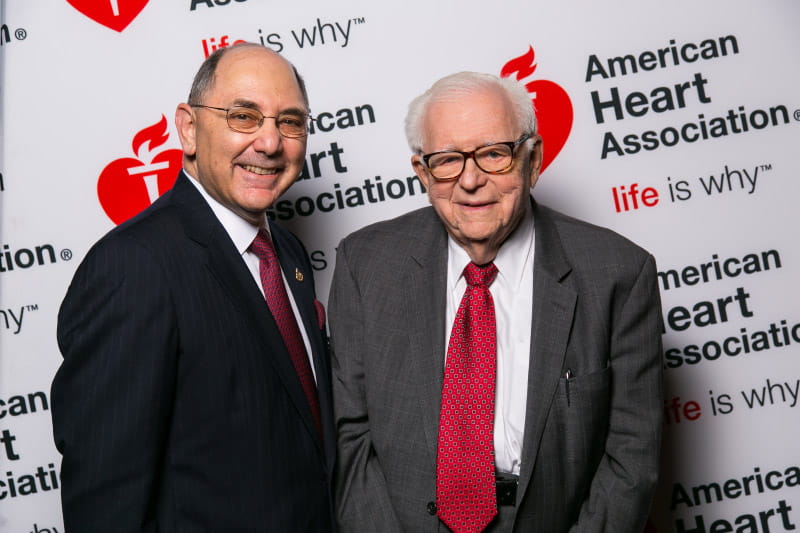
{"x":177,"y":407}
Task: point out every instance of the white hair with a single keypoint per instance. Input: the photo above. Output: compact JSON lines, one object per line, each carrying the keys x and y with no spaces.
{"x":462,"y":84}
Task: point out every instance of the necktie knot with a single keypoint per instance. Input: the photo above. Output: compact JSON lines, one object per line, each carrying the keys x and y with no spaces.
{"x":262,"y":246}
{"x":480,"y":276}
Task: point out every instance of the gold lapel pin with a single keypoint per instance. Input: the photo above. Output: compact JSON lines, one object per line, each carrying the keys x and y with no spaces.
{"x":298,"y":275}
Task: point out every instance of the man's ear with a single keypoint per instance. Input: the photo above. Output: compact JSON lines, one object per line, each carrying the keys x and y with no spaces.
{"x":536,"y":159}
{"x":420,"y":170}
{"x":186,"y":125}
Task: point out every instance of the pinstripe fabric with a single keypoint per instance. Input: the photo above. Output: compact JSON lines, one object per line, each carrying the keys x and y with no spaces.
{"x":176,"y":407}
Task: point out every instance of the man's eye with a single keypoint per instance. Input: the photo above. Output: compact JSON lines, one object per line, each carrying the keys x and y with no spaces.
{"x":243,"y":117}
{"x":291,"y":121}
{"x":447,"y":159}
{"x":494,"y":154}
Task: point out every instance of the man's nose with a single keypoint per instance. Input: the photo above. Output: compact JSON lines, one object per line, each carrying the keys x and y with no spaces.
{"x":472,"y":177}
{"x":267,"y":138}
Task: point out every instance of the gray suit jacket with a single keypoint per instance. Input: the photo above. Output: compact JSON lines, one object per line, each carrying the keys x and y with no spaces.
{"x":591,"y":445}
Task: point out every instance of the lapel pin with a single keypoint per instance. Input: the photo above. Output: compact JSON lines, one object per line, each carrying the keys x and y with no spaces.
{"x":298,"y":275}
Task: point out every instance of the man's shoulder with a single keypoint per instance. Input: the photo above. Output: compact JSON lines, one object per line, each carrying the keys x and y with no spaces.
{"x":594,"y":253}
{"x":391,"y":241}
{"x":578,"y":234}
{"x":402,"y":228}
{"x":158,"y":230}
{"x":155,"y":223}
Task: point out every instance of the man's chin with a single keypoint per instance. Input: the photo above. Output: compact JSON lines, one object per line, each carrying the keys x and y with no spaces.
{"x":478,"y":231}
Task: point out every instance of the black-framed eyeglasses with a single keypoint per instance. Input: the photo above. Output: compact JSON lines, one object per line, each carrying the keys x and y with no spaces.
{"x":496,"y":158}
{"x":248,"y":120}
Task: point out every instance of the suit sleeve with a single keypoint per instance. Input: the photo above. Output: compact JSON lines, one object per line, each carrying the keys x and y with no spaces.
{"x":624,"y":483}
{"x":112,"y":396}
{"x":362,"y":498}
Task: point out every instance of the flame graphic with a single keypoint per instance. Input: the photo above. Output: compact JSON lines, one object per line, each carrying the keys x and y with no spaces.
{"x":155,"y":135}
{"x":523,"y":65}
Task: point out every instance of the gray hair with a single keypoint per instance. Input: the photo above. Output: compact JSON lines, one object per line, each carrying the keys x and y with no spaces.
{"x":204,"y":79}
{"x":461,"y":84}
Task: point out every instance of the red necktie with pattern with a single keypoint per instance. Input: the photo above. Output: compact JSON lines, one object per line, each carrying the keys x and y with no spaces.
{"x":281,"y":309}
{"x":466,"y":499}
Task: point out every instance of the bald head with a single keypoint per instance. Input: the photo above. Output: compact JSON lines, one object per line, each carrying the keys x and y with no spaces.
{"x":205,"y":77}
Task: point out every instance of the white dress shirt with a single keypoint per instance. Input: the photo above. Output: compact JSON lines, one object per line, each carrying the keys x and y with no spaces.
{"x":242,"y":234}
{"x":512,"y":292}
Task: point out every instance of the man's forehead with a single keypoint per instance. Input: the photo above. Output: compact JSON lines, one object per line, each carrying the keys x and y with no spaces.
{"x":251,"y":53}
{"x":253,"y":75}
{"x":252,"y":64}
{"x":475,"y":118}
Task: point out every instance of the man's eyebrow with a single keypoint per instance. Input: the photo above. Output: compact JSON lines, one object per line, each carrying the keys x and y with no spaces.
{"x":294,"y":111}
{"x":249,"y":104}
{"x":252,"y":105}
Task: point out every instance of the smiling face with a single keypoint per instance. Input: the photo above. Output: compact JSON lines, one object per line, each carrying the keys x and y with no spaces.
{"x":245,"y":172}
{"x":479,"y":210}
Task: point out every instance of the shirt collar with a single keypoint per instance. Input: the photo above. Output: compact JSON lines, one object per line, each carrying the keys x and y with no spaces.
{"x":240,"y":231}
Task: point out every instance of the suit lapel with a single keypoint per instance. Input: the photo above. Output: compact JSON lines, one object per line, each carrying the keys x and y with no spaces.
{"x":553,"y":310}
{"x":230,"y":271}
{"x":425,"y":312}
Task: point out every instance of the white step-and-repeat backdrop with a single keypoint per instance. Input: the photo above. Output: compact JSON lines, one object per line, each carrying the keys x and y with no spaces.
{"x":676,"y":124}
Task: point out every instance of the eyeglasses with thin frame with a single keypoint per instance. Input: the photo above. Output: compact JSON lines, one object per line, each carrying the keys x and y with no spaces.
{"x":248,"y":120}
{"x":497,"y":158}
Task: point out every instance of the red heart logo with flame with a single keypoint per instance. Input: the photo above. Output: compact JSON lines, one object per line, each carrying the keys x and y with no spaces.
{"x":553,"y":106}
{"x":129,"y":185}
{"x":114,"y":14}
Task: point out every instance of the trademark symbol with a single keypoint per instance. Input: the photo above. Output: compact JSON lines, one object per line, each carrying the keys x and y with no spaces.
{"x":766,"y":167}
{"x":32,"y":307}
{"x":20,"y":34}
{"x":66,"y":254}
{"x":797,"y":114}
{"x":358,"y":20}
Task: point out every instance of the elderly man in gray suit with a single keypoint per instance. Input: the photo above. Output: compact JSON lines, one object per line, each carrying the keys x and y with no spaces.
{"x":496,"y":363}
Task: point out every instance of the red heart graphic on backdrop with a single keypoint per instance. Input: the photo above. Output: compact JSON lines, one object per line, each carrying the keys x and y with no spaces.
{"x":553,"y":107}
{"x":114,"y":14}
{"x":554,"y":115}
{"x":123,"y":191}
{"x":128,"y":185}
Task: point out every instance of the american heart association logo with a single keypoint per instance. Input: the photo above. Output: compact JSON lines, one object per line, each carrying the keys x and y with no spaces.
{"x":552,"y":104}
{"x":128,"y":185}
{"x":114,"y":14}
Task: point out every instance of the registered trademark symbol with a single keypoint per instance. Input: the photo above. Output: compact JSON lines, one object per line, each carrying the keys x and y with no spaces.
{"x":797,"y":114}
{"x":66,"y":254}
{"x":20,"y":34}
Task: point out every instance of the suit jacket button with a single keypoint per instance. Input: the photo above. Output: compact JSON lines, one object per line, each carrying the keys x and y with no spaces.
{"x":431,"y":508}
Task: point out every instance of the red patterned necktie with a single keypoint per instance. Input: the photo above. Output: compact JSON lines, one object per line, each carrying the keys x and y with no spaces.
{"x":281,"y":309}
{"x":466,"y":499}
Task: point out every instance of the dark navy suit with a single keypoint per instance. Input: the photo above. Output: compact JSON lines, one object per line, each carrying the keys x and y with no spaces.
{"x":177,"y":408}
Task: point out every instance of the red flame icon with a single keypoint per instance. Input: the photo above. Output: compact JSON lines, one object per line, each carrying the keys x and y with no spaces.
{"x":156,"y":135}
{"x":523,"y":65}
